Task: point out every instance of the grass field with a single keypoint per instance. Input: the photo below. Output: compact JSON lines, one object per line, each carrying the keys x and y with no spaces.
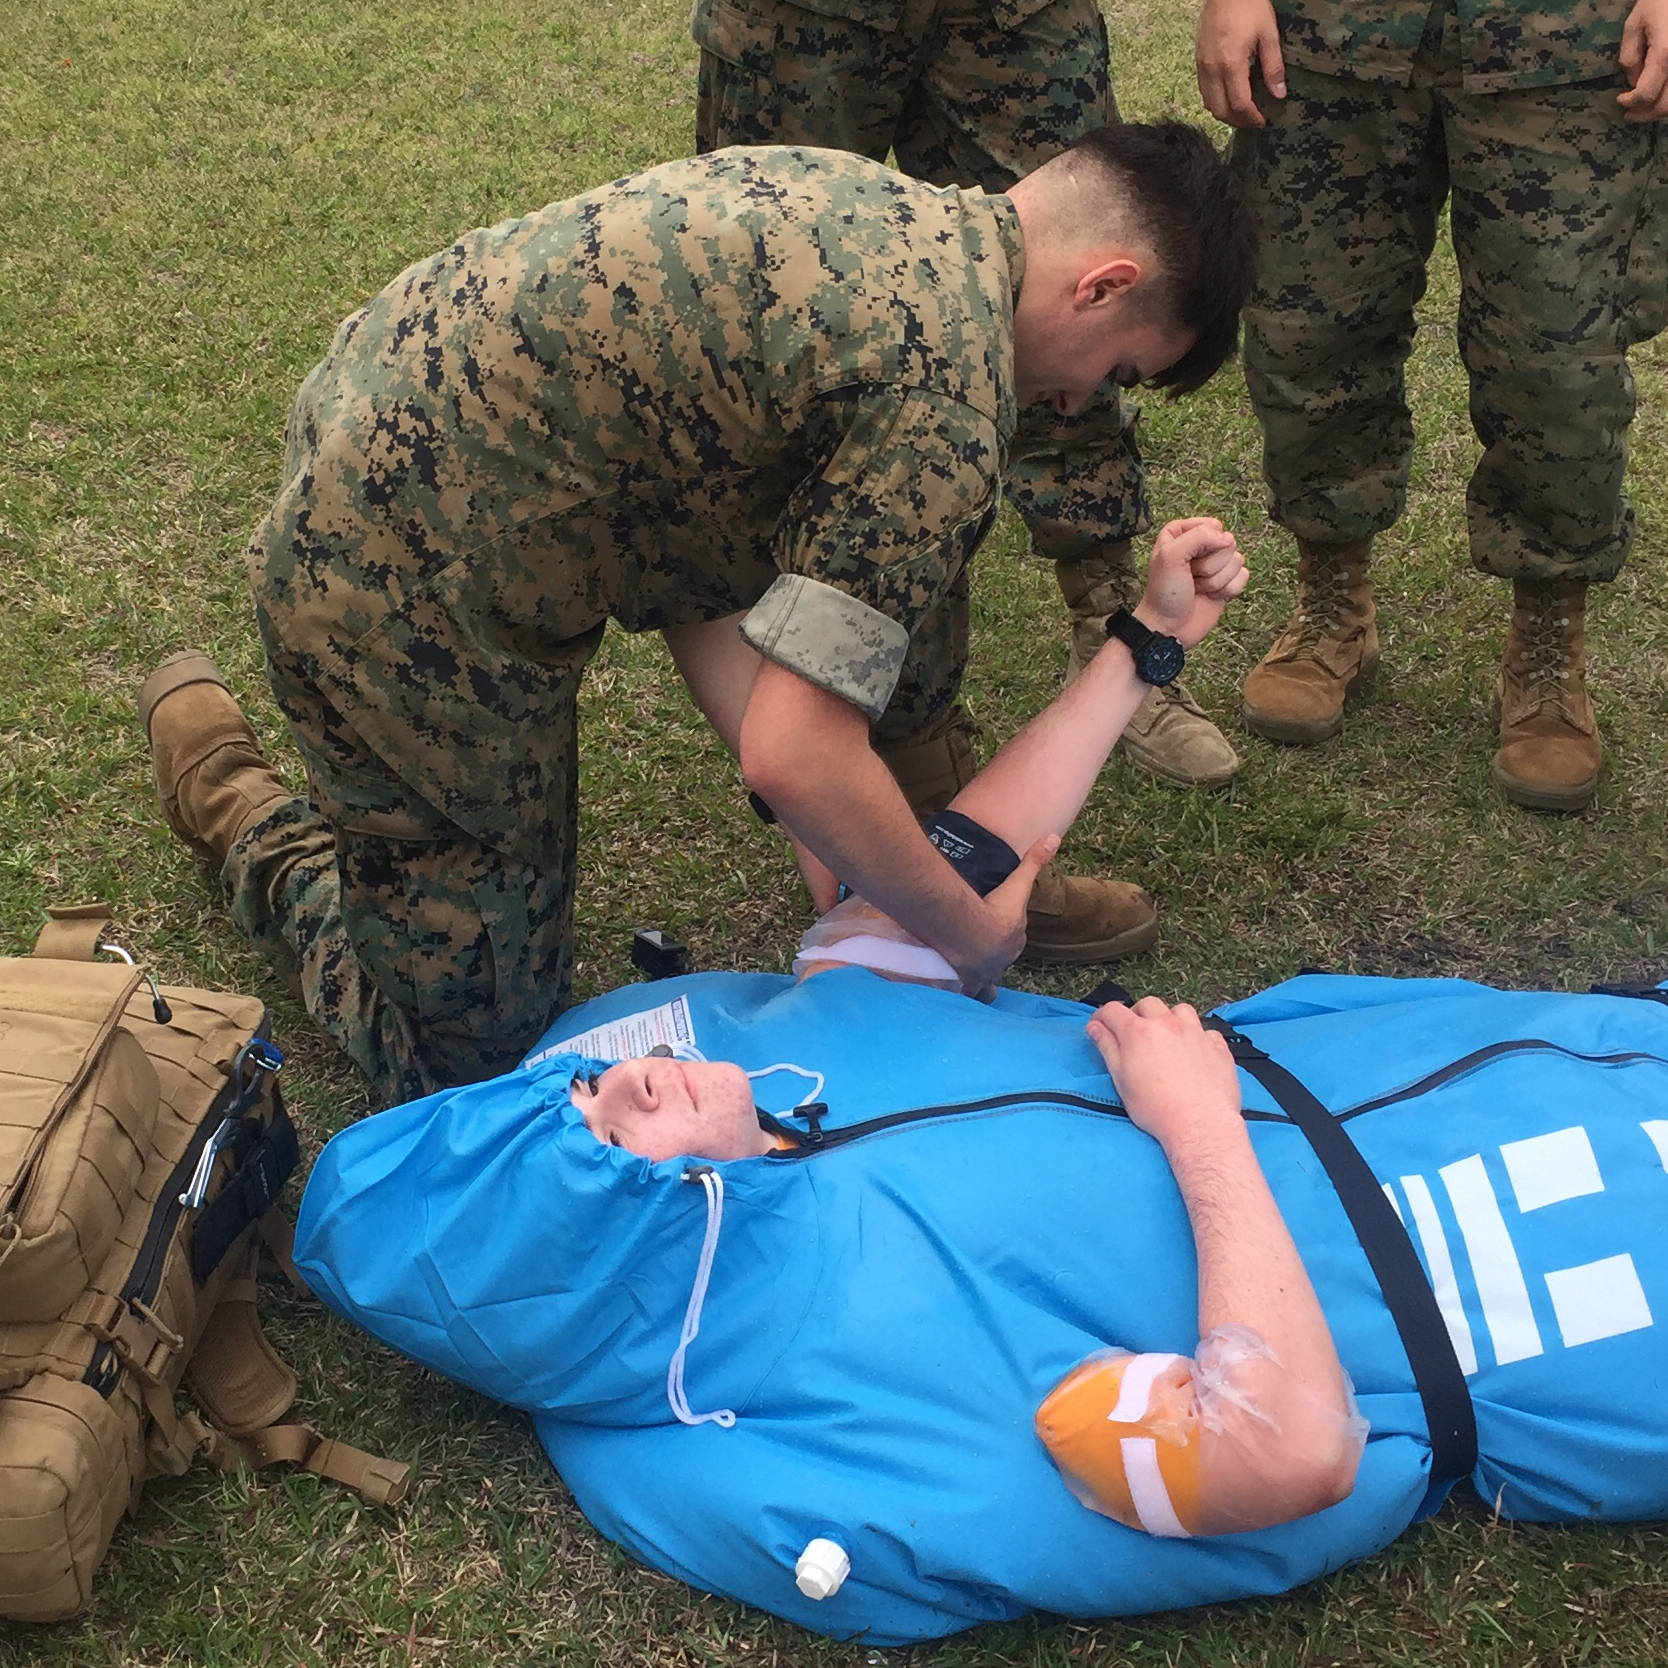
{"x":194,"y":195}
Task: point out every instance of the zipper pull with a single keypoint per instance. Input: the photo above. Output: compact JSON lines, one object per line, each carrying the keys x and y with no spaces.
{"x":160,"y":1011}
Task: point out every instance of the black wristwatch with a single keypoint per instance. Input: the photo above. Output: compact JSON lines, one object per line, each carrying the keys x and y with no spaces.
{"x":1158,"y":658}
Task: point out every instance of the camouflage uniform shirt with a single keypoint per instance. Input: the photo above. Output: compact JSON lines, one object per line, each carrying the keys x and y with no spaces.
{"x":1503,"y":43}
{"x":772,"y":379}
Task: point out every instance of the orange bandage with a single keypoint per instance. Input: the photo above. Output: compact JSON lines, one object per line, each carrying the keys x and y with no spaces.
{"x":1124,"y":1431}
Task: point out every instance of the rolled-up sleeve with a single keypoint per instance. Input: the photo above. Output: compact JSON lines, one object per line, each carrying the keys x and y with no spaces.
{"x":867,"y":545}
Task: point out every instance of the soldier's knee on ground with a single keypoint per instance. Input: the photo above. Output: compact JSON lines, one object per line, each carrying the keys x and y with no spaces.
{"x":427,"y":962}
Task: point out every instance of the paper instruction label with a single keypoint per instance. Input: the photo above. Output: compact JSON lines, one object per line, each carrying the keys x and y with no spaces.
{"x":671,"y":1025}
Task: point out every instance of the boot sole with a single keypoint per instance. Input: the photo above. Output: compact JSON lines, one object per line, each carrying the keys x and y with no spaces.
{"x":1534,"y":797}
{"x":1154,"y":766}
{"x":1296,"y":732}
{"x":1131,"y":942}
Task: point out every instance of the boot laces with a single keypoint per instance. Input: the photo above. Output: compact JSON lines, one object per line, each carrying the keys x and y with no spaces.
{"x":1546,"y":661}
{"x":1322,"y":604}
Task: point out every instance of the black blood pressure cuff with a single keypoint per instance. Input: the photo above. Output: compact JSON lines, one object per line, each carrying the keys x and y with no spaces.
{"x":979,"y":857}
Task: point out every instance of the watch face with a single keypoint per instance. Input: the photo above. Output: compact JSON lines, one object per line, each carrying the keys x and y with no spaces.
{"x":1161,"y":660}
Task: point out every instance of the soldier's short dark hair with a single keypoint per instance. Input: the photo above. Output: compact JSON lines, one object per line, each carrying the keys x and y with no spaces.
{"x":1184,"y":196}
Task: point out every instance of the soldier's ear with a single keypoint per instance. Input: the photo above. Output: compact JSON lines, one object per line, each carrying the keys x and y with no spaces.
{"x":1107,"y":281}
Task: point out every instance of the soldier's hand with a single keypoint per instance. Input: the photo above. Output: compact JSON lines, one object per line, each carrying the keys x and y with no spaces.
{"x":1232,"y":36}
{"x":1644,"y":62}
{"x":1195,"y":568}
{"x":1003,"y":909}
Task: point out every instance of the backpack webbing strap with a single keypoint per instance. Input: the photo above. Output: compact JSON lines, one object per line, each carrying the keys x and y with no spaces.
{"x":379,"y":1482}
{"x":1449,"y":1416}
{"x":73,"y":932}
{"x":278,"y":1246}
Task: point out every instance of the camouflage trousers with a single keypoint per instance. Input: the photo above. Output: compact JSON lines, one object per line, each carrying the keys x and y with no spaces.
{"x":428,"y":956}
{"x":1559,"y":225}
{"x":962,"y":100}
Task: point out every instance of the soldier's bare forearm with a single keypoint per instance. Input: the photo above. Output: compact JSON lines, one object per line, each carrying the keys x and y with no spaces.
{"x":720,"y":667}
{"x":807,"y":753}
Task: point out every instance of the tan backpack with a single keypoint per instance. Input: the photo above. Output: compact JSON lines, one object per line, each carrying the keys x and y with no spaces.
{"x":143,"y":1144}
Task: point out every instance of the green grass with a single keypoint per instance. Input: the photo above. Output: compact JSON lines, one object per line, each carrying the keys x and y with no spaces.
{"x":195,"y":195}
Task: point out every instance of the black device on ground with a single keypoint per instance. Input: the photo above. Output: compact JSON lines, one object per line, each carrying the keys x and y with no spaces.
{"x":656,"y":955}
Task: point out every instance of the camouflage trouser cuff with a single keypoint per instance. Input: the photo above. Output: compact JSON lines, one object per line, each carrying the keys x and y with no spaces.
{"x":1100,"y":582}
{"x":931,"y":770}
{"x":1598,"y":569}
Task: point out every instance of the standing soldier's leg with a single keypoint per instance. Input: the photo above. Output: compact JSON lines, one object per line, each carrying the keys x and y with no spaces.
{"x":934,"y":87}
{"x":1553,"y":293}
{"x":1347,"y":177}
{"x":996,"y":97}
{"x":773,"y":73}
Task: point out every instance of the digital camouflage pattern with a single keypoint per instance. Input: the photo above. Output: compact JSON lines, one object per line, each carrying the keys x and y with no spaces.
{"x":642,"y":404}
{"x":966,"y":92}
{"x":1559,"y":224}
{"x":652,"y":403}
{"x":428,"y":962}
{"x":1501,"y":43}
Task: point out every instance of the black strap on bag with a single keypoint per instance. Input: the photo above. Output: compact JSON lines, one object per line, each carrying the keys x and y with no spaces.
{"x":249,"y":1193}
{"x":1645,"y":993}
{"x":1449,"y":1416}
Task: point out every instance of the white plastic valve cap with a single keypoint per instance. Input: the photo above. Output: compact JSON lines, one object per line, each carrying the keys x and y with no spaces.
{"x":822,"y":1568}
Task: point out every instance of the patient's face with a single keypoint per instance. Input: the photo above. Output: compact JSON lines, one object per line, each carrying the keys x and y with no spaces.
{"x":664,"y":1108}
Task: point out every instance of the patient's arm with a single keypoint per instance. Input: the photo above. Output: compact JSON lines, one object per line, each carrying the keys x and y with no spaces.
{"x":1260,"y":1426}
{"x":1038,"y":781}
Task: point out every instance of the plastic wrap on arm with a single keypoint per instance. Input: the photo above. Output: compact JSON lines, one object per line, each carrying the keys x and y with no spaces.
{"x":856,"y":934}
{"x":1173,"y":1445}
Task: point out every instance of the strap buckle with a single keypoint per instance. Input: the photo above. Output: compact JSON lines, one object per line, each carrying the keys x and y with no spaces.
{"x":144,"y":1345}
{"x":1239,"y":1045}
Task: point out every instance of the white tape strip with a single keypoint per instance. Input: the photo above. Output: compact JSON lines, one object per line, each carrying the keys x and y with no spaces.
{"x":1135,"y":1388}
{"x":1147,"y":1492}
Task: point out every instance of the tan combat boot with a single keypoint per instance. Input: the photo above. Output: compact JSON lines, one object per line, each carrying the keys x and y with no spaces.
{"x":1072,"y":918}
{"x":1550,"y":751}
{"x":1169,"y":733}
{"x":211,"y":779}
{"x":1327,"y":653}
{"x":1077,"y":918}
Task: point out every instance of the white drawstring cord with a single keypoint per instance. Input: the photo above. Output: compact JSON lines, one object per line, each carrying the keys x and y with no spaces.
{"x":816,"y":1079}
{"x":713,"y":1183}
